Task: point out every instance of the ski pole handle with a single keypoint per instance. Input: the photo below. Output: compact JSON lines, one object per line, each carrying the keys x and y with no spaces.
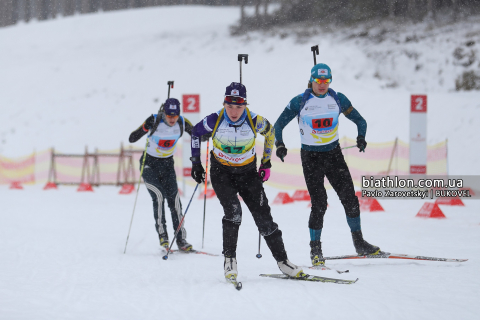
{"x":170,"y":85}
{"x":315,"y":53}
{"x":240,"y":58}
{"x":243,"y":56}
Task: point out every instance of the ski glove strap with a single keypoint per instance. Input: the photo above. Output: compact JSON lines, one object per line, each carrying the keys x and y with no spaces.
{"x":195,"y":160}
{"x":198,"y":173}
{"x":281,"y":150}
{"x":361,"y":143}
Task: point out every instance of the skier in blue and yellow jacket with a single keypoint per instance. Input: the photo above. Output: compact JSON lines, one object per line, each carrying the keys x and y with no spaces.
{"x":318,"y":110}
{"x":234,"y":171}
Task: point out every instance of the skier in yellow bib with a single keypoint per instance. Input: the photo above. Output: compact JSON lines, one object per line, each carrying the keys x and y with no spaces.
{"x":234,"y":171}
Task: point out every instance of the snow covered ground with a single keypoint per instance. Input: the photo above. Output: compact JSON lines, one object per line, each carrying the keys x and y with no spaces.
{"x":62,"y":258}
{"x":92,"y":79}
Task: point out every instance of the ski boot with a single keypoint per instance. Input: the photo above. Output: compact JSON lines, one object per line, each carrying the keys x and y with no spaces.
{"x":316,"y":253}
{"x":183,"y":245}
{"x":164,"y":241}
{"x":230,"y":269}
{"x":290,"y":269}
{"x":363,"y":247}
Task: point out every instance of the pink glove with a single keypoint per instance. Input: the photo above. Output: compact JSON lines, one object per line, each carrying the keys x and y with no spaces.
{"x":264,"y":173}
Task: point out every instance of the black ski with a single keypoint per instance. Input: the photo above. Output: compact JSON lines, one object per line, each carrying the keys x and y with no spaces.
{"x":308,"y":277}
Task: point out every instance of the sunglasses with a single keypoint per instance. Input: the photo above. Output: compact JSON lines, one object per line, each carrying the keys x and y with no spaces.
{"x":236,"y":100}
{"x":320,"y":81}
{"x":171,"y":116}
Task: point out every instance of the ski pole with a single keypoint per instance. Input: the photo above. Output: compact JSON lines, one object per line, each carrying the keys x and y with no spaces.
{"x":155,"y":126}
{"x":165,"y":257}
{"x":240,"y":58}
{"x":205,"y":193}
{"x":315,"y":53}
{"x":259,"y":255}
{"x":349,"y":147}
{"x":170,"y":85}
{"x":136,"y":197}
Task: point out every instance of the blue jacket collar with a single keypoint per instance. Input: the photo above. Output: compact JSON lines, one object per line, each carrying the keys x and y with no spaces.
{"x":239,"y":121}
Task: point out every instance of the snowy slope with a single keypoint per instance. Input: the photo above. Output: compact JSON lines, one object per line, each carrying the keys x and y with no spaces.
{"x":62,"y":258}
{"x":92,"y":79}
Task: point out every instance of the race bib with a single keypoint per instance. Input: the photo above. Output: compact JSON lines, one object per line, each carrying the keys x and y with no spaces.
{"x":322,"y":123}
{"x":166,"y":143}
{"x":230,"y":149}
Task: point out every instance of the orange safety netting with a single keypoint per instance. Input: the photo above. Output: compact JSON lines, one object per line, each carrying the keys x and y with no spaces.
{"x":17,"y":170}
{"x":108,"y":167}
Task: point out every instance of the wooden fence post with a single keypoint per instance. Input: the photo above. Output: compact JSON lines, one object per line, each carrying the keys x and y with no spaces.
{"x":52,"y":173}
{"x":85,"y":168}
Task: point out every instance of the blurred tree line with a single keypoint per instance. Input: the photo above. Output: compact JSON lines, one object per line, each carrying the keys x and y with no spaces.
{"x":354,"y":11}
{"x":288,"y":11}
{"x":12,"y":11}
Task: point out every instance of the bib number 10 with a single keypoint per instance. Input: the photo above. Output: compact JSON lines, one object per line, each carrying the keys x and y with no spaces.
{"x":322,"y":123}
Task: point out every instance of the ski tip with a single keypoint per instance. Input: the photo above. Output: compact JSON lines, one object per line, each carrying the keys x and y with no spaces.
{"x":239,"y":286}
{"x":342,"y":271}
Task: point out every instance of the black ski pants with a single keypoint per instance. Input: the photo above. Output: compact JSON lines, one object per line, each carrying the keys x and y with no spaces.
{"x":161,"y":181}
{"x":317,"y":165}
{"x":227,"y":183}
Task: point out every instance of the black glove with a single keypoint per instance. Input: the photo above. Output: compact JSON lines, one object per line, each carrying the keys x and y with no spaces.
{"x":149,"y":123}
{"x":205,"y":137}
{"x":361,"y":143}
{"x":281,"y":150}
{"x":198,"y":173}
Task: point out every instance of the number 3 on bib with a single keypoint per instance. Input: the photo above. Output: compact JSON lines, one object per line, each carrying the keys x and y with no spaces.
{"x":322,"y":123}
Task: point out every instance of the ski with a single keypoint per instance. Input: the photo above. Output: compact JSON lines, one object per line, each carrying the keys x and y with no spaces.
{"x":308,"y":277}
{"x":236,"y":284}
{"x":326,"y":268}
{"x":193,"y":251}
{"x":388,"y":255}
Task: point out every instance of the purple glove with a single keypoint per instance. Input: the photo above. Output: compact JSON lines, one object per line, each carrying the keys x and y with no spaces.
{"x":264,"y":171}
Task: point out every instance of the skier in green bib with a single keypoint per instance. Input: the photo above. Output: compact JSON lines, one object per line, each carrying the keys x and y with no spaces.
{"x":233,"y":171}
